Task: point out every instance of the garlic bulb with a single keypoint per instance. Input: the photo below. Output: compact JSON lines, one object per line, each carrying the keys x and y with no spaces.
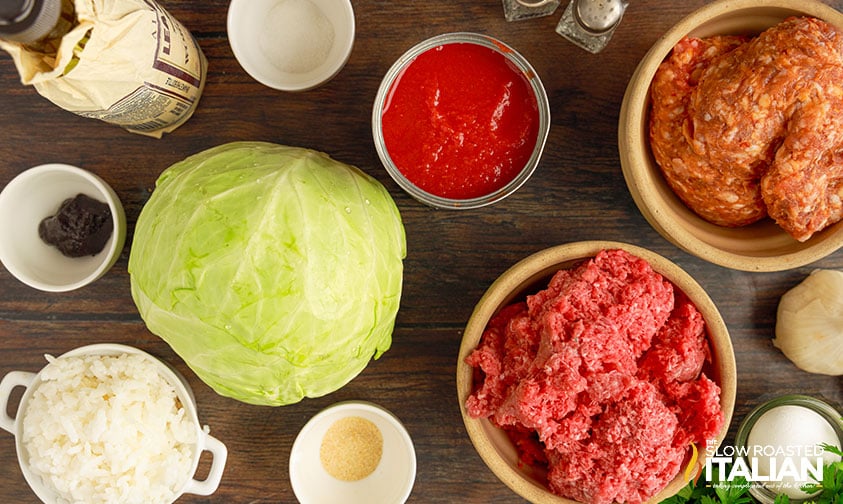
{"x":809,"y":323}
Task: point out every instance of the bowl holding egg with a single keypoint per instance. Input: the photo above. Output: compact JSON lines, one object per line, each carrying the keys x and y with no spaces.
{"x":787,"y":442}
{"x":725,"y":153}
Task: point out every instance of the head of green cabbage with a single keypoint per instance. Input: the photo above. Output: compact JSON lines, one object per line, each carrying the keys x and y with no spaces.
{"x":275,"y":272}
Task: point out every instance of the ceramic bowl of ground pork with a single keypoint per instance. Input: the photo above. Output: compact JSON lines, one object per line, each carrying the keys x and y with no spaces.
{"x":109,"y":423}
{"x":595,"y":372}
{"x":724,"y":150}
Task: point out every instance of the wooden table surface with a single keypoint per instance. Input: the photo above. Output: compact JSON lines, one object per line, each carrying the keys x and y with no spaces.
{"x":577,"y":193}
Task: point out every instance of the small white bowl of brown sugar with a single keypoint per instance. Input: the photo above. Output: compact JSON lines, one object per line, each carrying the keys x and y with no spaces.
{"x":353,"y":452}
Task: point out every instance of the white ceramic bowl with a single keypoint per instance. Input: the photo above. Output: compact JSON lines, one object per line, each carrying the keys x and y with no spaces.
{"x":251,"y":28}
{"x":31,"y":381}
{"x":37,"y":193}
{"x":392,"y":480}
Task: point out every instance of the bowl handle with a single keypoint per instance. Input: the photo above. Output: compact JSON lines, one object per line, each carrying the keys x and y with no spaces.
{"x":9,"y":382}
{"x":212,"y":481}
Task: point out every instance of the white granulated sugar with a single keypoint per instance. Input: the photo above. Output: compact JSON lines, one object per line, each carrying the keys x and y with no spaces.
{"x":103,"y":429}
{"x":296,"y":36}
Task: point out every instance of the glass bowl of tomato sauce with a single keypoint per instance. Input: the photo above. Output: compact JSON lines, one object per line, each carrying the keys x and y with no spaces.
{"x":460,"y":121}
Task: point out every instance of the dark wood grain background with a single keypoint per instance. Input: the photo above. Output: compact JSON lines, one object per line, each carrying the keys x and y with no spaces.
{"x":577,"y":193}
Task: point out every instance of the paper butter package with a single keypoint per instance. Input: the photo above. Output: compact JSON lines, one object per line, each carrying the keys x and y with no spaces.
{"x":125,"y":62}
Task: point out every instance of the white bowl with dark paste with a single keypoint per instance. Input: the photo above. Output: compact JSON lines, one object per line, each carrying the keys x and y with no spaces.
{"x":61,"y":227}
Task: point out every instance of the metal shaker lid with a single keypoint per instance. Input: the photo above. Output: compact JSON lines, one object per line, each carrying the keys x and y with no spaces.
{"x":28,"y":20}
{"x":599,"y":16}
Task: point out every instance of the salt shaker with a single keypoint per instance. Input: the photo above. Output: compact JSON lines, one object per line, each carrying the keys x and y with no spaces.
{"x":590,"y":24}
{"x":517,"y":10}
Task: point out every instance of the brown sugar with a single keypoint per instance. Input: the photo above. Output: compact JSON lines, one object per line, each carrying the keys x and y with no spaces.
{"x":351,"y":449}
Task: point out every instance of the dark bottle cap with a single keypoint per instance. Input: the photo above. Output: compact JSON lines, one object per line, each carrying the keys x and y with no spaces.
{"x":28,"y":20}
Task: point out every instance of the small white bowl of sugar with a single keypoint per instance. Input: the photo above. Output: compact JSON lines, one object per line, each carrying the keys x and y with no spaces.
{"x":291,"y":45}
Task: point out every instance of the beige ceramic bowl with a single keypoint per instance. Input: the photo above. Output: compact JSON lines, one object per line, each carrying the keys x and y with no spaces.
{"x":762,"y":246}
{"x":531,"y":275}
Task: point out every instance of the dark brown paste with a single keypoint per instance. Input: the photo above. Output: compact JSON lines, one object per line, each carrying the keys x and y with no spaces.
{"x":81,"y":227}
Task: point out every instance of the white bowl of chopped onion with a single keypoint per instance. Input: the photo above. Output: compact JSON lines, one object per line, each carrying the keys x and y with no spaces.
{"x":109,"y":423}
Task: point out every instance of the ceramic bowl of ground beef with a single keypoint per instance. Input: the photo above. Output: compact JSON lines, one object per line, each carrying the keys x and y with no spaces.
{"x":724,"y":150}
{"x":592,"y":372}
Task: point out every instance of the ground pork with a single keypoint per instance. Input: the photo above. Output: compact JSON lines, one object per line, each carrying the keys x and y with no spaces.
{"x":743,"y":129}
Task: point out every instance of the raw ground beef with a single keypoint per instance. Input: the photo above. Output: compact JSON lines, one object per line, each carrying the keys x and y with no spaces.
{"x":599,"y":379}
{"x":743,"y":129}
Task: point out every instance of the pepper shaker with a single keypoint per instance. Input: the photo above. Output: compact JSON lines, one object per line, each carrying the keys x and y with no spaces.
{"x":590,"y":24}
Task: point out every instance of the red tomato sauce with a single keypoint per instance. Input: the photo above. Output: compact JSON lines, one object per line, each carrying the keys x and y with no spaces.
{"x":460,"y":121}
